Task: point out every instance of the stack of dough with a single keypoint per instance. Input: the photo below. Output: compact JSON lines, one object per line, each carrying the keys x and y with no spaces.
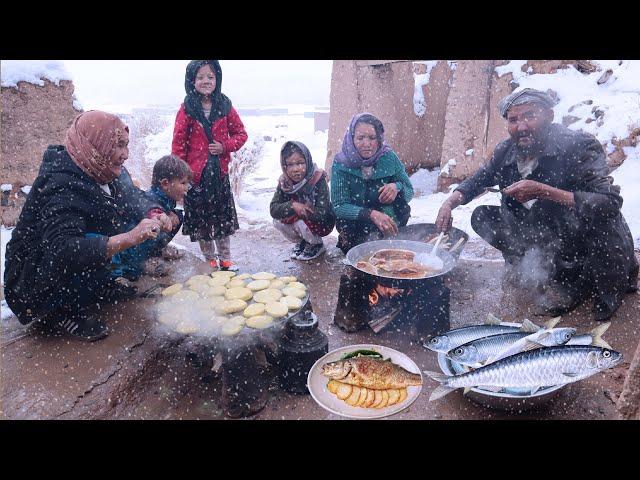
{"x":224,"y":303}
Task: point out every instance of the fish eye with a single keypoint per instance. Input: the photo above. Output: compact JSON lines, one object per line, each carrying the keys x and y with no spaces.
{"x":458,"y":351}
{"x":606,"y":354}
{"x":567,"y":336}
{"x":433,"y":340}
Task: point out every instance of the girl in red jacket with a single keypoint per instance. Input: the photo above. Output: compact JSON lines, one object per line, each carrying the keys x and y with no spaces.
{"x":206,"y":131}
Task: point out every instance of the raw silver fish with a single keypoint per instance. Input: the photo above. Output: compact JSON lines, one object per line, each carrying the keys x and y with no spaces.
{"x":490,"y":349}
{"x":532,"y":370}
{"x":493,"y":326}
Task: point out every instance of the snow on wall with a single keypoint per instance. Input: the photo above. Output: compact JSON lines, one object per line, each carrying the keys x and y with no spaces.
{"x":607,"y":111}
{"x":32,"y":71}
{"x":419,"y":103}
{"x":580,"y":95}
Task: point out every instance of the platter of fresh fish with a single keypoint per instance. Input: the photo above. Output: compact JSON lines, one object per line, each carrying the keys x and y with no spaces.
{"x":522,"y":368}
{"x":365,"y":381}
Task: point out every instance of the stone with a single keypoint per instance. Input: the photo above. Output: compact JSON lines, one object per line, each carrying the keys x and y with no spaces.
{"x":569,"y":119}
{"x":604,"y":78}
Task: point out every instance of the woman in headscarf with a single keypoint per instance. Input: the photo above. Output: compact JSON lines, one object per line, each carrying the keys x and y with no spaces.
{"x":207,"y":129}
{"x":73,"y":222}
{"x":301,"y":206}
{"x":370,"y":189}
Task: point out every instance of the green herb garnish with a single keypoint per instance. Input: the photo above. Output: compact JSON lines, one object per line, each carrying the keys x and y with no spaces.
{"x":364,"y":353}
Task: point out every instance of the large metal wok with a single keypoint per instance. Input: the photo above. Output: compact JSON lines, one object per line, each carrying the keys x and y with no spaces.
{"x":365,"y":250}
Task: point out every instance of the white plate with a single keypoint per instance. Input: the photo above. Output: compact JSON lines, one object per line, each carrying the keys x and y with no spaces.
{"x":317,"y":384}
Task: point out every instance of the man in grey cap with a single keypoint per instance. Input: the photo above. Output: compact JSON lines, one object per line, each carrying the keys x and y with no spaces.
{"x":559,"y":225}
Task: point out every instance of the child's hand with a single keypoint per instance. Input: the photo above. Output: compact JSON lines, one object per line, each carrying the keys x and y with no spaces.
{"x":166,"y":224}
{"x":175,"y":221}
{"x":302,"y":210}
{"x":216,"y":148}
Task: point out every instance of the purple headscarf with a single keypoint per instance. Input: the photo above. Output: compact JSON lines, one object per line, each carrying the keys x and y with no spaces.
{"x":349,"y":155}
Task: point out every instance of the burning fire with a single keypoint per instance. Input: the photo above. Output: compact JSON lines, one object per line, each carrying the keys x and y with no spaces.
{"x":384,"y":292}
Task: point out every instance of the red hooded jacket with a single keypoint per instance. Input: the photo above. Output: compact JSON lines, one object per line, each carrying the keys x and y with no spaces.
{"x":191,"y":144}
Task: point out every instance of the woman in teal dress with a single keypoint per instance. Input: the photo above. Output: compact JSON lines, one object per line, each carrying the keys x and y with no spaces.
{"x":370,"y":189}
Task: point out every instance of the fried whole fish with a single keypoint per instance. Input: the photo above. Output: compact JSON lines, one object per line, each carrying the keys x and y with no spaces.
{"x":370,"y":373}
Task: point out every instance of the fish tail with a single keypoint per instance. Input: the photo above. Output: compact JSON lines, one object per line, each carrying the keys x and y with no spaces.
{"x":597,"y":333}
{"x":529,"y":326}
{"x":552,"y":323}
{"x":437,"y":376}
{"x":440,"y":392}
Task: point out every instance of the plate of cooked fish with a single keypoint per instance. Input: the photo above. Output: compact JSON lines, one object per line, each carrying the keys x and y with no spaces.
{"x":365,"y":381}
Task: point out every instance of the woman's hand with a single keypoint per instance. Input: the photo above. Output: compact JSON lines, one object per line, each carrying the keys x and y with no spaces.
{"x":384,"y":223}
{"x":388,"y":193}
{"x":216,"y":148}
{"x":302,"y":210}
{"x":146,"y":229}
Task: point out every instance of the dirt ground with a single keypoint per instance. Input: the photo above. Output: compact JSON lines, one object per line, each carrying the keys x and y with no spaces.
{"x":141,"y":372}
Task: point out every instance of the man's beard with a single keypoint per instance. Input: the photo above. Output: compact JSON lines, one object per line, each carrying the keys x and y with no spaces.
{"x":535,"y":147}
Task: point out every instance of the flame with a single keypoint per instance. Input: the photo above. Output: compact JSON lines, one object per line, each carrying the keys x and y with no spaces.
{"x":373,"y":297}
{"x":384,"y":292}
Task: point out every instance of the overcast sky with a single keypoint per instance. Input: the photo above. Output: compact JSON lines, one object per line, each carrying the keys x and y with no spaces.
{"x":245,"y":82}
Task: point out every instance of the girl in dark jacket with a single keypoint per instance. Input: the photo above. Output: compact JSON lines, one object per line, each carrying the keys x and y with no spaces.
{"x":301,"y":206}
{"x":73,"y":222}
{"x":206,"y":131}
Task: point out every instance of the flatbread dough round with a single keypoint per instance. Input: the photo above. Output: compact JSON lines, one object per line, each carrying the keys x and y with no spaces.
{"x":223,"y":273}
{"x":257,"y":285}
{"x":231,"y":306}
{"x":277,"y":309}
{"x":199,"y":287}
{"x":287,"y":279}
{"x":260,"y":321}
{"x":212,"y":325}
{"x":197,"y":278}
{"x":187,"y":326}
{"x":294,"y":292}
{"x":267,"y":296}
{"x":254,"y":309}
{"x":243,"y":276}
{"x":175,"y":288}
{"x":263,"y":276}
{"x":185,"y":296}
{"x":277,"y":284}
{"x":168,"y":318}
{"x":214,"y":291}
{"x":297,"y":285}
{"x":235,"y":282}
{"x":212,"y":302}
{"x":241,"y":293}
{"x":218,"y":281}
{"x":233,"y":326}
{"x":293,"y":303}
